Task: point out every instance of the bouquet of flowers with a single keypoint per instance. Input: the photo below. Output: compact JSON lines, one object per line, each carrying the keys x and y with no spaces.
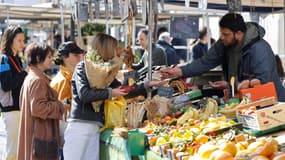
{"x":100,"y":74}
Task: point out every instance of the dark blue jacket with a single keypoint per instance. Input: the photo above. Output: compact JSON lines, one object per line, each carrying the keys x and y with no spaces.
{"x":11,"y":80}
{"x":257,"y":60}
{"x":199,"y":50}
{"x":172,"y":57}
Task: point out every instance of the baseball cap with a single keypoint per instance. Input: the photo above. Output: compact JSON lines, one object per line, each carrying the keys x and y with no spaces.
{"x":69,"y":47}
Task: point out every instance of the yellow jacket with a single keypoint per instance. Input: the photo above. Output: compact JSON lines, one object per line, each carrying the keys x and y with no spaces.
{"x":62,"y":83}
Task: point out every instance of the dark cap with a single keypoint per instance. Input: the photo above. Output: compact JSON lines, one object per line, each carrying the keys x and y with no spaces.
{"x":69,"y":47}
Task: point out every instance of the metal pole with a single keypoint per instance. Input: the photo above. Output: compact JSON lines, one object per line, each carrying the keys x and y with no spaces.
{"x":8,"y":16}
{"x":62,"y":21}
{"x":78,"y":24}
{"x":134,"y":34}
{"x":150,"y":26}
{"x":107,"y":16}
{"x":284,"y":27}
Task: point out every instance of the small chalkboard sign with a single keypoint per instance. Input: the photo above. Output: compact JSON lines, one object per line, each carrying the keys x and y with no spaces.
{"x":165,"y":91}
{"x":132,"y":74}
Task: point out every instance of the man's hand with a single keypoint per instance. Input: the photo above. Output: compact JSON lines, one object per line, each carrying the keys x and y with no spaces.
{"x":219,"y":84}
{"x":170,"y":72}
{"x":248,"y":84}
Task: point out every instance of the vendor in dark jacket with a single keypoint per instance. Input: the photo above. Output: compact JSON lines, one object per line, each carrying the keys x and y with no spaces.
{"x":164,"y":40}
{"x":82,"y":132}
{"x":242,"y":52}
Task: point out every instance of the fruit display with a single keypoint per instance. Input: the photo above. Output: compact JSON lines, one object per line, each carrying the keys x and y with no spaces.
{"x":167,"y":134}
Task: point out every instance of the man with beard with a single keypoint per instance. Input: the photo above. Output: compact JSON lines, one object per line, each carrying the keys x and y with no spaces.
{"x":242,"y":52}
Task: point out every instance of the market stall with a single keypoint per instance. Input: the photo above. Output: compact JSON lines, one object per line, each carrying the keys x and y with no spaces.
{"x":193,"y":124}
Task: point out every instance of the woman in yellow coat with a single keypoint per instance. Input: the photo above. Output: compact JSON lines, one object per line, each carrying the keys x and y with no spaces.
{"x":69,"y":54}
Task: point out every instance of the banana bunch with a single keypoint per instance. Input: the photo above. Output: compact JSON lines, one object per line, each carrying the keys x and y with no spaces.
{"x":211,"y":108}
{"x":191,"y":113}
{"x":230,"y":110}
{"x":179,"y":85}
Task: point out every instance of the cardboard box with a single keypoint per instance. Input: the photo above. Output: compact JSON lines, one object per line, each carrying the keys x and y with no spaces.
{"x":259,"y":92}
{"x":264,"y":118}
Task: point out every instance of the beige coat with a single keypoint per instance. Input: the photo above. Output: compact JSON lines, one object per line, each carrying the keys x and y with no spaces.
{"x":39,"y":105}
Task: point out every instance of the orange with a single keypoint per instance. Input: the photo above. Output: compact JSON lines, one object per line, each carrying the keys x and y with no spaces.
{"x":229,"y":147}
{"x":201,"y":139}
{"x":221,"y":155}
{"x":279,"y":157}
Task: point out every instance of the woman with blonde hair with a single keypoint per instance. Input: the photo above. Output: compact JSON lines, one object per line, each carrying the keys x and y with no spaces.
{"x":82,"y":132}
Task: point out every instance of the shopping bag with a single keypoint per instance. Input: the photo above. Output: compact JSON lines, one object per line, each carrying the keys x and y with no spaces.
{"x":114,"y":111}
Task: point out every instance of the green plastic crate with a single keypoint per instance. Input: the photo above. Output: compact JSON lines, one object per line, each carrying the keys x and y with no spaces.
{"x":136,"y":143}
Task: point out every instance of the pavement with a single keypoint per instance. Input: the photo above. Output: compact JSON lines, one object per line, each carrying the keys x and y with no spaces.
{"x":2,"y":136}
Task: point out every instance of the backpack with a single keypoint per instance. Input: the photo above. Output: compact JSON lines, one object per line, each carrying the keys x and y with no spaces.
{"x":6,"y":98}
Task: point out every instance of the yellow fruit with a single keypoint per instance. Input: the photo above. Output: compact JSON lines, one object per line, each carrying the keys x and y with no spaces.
{"x":131,"y":81}
{"x":152,"y":140}
{"x":279,"y":157}
{"x":268,"y":148}
{"x":254,"y":145}
{"x":201,"y":139}
{"x":242,"y":145}
{"x":243,"y":153}
{"x":221,"y":155}
{"x":160,"y":141}
{"x":229,"y":147}
{"x":222,"y":119}
{"x":206,"y":150}
{"x":212,"y":119}
{"x":260,"y":157}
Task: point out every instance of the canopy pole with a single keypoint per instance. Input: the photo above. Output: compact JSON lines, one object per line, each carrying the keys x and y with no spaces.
{"x":150,"y":27}
{"x":78,"y":24}
{"x":8,"y":16}
{"x":284,"y":26}
{"x":62,"y":22}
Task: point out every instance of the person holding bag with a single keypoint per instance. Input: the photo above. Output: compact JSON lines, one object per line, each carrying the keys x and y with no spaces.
{"x":12,"y":77}
{"x":40,"y":108}
{"x":93,"y":82}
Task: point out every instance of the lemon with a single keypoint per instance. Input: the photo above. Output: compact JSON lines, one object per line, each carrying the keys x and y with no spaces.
{"x":206,"y":150}
{"x":160,"y":141}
